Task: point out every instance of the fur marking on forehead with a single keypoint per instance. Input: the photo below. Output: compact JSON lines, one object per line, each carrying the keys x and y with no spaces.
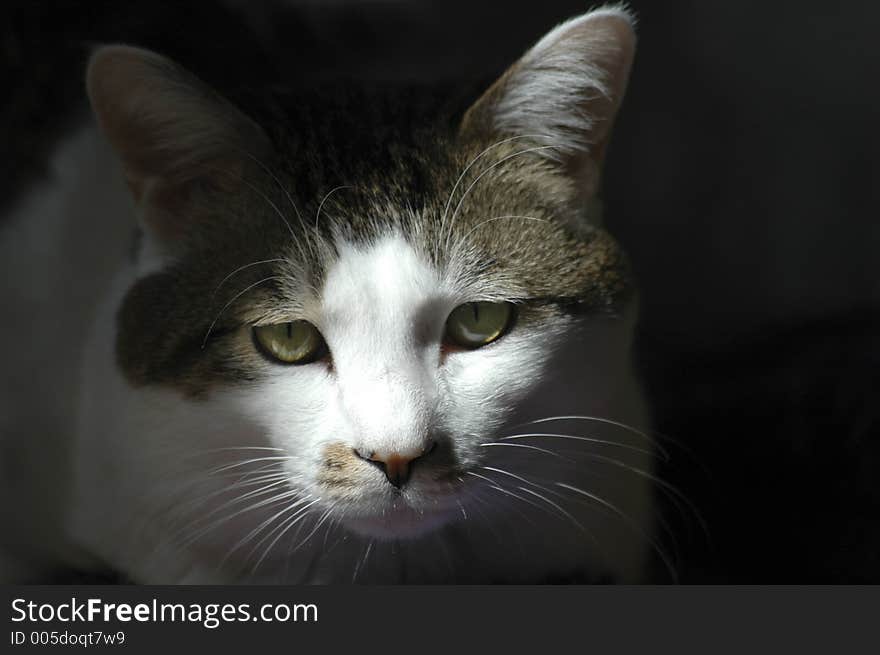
{"x":387,"y":276}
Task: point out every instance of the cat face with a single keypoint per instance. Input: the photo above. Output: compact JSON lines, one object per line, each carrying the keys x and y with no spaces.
{"x":385,"y":425}
{"x":372,"y":303}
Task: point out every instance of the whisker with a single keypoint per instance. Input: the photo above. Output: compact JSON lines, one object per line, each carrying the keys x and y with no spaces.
{"x":362,"y":561}
{"x":247,"y":474}
{"x":267,"y":522}
{"x":578,"y":438}
{"x":672,"y":491}
{"x":315,"y":529}
{"x":513,"y":475}
{"x":485,"y":519}
{"x":224,"y":449}
{"x":259,"y":192}
{"x":243,"y":480}
{"x":529,"y":482}
{"x":275,"y":479}
{"x":608,"y":505}
{"x":608,"y":421}
{"x":234,"y":298}
{"x":195,"y":502}
{"x":282,"y":528}
{"x":474,"y":161}
{"x":227,"y":467}
{"x":493,"y":484}
{"x":249,"y":508}
{"x":330,"y":527}
{"x":559,"y":508}
{"x":463,"y":239}
{"x":483,"y":174}
{"x":290,"y":522}
{"x":321,"y":204}
{"x":280,"y":185}
{"x":526,"y":446}
{"x":242,"y":268}
{"x":598,"y":499}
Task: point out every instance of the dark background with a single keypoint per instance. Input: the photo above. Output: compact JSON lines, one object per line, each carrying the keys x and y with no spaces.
{"x":743,"y":180}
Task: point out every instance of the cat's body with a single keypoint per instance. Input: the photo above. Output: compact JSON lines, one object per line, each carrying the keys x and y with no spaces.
{"x":182,"y":452}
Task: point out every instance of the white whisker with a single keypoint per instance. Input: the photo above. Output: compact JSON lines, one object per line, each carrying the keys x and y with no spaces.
{"x":463,"y":238}
{"x":245,"y":267}
{"x":227,"y":467}
{"x":270,"y":481}
{"x":672,"y":492}
{"x":321,"y":204}
{"x":269,"y":172}
{"x":521,"y":445}
{"x":493,"y":484}
{"x":361,"y":562}
{"x":529,"y":482}
{"x":267,"y":522}
{"x":598,"y":499}
{"x":577,"y":438}
{"x":315,"y":529}
{"x":558,"y":507}
{"x":608,"y":421}
{"x":483,"y":174}
{"x":238,"y":484}
{"x":234,"y":298}
{"x":225,"y":519}
{"x":474,"y":161}
{"x":258,"y":191}
{"x":301,"y":514}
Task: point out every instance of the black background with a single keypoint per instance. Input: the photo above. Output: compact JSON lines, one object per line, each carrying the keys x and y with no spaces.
{"x":742,"y":179}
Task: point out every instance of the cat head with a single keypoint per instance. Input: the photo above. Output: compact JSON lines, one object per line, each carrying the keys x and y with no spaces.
{"x":367,"y":289}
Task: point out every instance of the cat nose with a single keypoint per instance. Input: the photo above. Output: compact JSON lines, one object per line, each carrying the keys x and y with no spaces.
{"x":395,"y":465}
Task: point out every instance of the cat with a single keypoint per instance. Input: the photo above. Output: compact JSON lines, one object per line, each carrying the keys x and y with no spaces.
{"x":360,"y":336}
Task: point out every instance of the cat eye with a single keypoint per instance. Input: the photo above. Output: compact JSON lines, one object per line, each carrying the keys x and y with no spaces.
{"x":477,"y":324}
{"x":296,"y":342}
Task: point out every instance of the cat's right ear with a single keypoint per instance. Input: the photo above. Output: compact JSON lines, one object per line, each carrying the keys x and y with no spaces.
{"x":171,"y":132}
{"x":561,"y":97}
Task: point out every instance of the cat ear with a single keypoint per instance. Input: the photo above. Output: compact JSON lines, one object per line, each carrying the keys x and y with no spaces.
{"x":563,"y":93}
{"x":169,"y":129}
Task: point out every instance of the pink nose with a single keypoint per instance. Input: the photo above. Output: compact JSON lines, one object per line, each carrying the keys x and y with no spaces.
{"x":396,"y":466}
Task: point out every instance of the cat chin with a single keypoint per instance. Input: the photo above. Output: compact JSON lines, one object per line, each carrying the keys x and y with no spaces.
{"x":401,"y":523}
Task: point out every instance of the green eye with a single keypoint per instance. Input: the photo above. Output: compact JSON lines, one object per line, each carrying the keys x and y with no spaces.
{"x":297,"y":342}
{"x":476,"y":324}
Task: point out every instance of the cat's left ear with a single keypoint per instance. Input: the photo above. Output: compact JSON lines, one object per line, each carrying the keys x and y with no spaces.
{"x":563,"y":94}
{"x":173,"y":133}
